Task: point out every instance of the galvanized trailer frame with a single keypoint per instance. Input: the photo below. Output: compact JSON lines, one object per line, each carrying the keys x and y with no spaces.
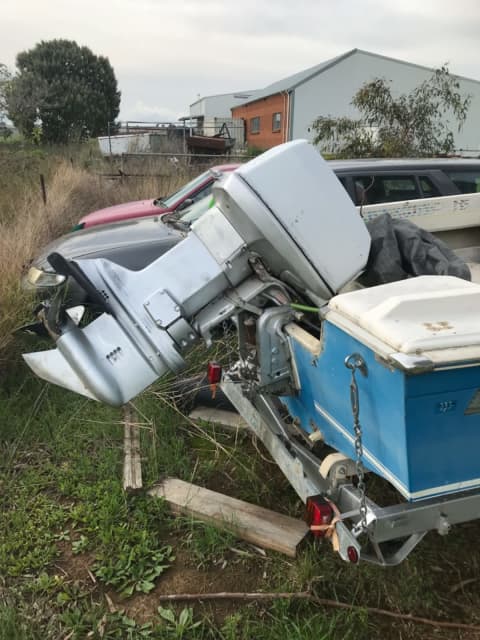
{"x":392,"y":532}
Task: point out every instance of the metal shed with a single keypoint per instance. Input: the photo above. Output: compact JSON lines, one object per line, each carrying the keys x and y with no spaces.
{"x":293,"y":103}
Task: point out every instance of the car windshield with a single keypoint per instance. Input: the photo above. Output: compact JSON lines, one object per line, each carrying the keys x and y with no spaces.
{"x":197,"y":209}
{"x":182,"y":220}
{"x":172,"y":200}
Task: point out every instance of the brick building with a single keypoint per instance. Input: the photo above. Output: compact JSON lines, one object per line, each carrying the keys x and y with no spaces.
{"x":285,"y":110}
{"x":265,"y":120}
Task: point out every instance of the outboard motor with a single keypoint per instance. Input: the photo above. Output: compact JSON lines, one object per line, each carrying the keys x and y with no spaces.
{"x":283,"y":228}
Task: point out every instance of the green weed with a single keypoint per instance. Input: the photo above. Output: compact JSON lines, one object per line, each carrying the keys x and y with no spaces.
{"x":13,"y":626}
{"x":94,"y":622}
{"x":208,"y":544}
{"x":72,"y":493}
{"x":181,"y":626}
{"x":289,"y":620}
{"x":27,"y":531}
{"x":134,"y":567}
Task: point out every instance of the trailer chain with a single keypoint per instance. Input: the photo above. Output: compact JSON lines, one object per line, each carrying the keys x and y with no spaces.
{"x":355,"y":362}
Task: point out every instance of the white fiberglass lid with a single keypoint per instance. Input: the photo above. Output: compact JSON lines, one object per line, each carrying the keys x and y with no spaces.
{"x":415,"y":315}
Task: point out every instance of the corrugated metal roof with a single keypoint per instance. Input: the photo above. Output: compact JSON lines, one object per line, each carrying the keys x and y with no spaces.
{"x":235,"y":94}
{"x":291,"y":82}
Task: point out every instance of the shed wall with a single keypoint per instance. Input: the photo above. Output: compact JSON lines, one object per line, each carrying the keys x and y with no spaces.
{"x":217,"y":106}
{"x":330,"y":93}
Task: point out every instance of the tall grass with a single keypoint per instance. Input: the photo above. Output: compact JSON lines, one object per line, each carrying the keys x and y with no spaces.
{"x":26,"y":224}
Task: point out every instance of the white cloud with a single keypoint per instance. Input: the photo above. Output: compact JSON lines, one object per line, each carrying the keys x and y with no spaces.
{"x":139,"y":110}
{"x":165,"y":53}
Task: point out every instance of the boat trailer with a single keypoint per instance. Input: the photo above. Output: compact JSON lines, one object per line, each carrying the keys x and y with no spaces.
{"x":337,"y":380}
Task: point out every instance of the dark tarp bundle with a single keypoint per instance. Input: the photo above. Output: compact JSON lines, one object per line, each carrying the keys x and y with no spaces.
{"x":400,"y":250}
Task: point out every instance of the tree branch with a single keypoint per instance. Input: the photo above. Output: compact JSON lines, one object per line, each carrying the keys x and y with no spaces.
{"x":324,"y":602}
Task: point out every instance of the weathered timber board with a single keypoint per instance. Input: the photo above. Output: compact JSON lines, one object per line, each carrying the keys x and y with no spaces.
{"x":260,"y":526}
{"x":132,"y":466}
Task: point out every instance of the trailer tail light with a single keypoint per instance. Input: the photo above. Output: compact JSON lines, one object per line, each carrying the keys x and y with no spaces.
{"x":214,"y":373}
{"x":319,"y":514}
{"x":352,"y":554}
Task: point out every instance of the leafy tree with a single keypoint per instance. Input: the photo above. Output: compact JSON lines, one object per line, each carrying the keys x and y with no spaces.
{"x":5,"y":78}
{"x":410,"y":124}
{"x":22,"y":100}
{"x":70,"y":90}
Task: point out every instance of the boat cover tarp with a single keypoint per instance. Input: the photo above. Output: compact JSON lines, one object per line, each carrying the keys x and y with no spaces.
{"x":401,"y":250}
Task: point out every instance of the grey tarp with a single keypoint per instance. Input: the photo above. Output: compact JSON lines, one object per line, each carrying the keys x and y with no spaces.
{"x":400,"y":250}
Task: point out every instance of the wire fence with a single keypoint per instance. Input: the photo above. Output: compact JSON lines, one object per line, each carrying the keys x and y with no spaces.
{"x":162,"y":164}
{"x":198,"y":136}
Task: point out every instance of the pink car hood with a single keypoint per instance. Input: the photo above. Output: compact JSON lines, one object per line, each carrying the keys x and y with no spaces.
{"x":123,"y":211}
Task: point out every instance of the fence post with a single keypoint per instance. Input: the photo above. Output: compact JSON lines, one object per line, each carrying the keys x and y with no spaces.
{"x":44,"y":198}
{"x":44,"y":189}
{"x":109,"y":139}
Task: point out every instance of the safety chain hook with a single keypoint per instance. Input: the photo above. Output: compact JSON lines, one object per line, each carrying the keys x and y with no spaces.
{"x":355,"y":363}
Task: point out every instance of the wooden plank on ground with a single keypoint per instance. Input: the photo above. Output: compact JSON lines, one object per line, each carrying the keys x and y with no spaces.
{"x":229,"y":419}
{"x":260,"y":526}
{"x":132,"y":466}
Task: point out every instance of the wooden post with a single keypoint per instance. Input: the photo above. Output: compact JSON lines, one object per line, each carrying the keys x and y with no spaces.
{"x":44,"y":189}
{"x":132,"y":466}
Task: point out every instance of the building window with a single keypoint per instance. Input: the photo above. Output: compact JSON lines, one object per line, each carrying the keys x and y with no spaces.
{"x":255,"y":125}
{"x":276,"y":121}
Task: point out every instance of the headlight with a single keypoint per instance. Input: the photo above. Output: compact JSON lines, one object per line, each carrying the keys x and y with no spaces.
{"x":38,"y":278}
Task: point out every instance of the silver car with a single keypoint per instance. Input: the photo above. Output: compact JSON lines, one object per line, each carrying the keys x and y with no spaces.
{"x":132,"y":243}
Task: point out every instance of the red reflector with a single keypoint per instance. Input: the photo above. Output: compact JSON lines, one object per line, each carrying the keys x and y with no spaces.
{"x":352,"y":554}
{"x":319,"y":513}
{"x":214,"y":372}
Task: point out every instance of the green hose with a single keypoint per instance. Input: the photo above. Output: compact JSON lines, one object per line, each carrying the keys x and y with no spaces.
{"x":303,"y":307}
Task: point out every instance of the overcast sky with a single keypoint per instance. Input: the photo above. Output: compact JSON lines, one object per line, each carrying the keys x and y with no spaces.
{"x":167,"y":53}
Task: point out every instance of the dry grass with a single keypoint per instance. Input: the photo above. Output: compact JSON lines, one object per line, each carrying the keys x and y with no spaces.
{"x":26,"y":224}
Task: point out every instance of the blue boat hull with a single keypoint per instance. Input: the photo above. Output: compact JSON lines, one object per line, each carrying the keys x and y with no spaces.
{"x":420,"y":432}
